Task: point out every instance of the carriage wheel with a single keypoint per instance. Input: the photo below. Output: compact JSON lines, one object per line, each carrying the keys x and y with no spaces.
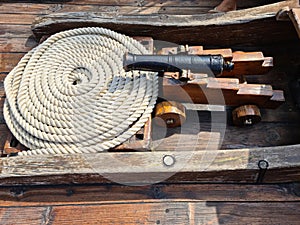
{"x":246,"y":115}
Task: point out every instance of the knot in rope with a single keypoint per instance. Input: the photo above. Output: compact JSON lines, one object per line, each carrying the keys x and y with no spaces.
{"x":70,"y":94}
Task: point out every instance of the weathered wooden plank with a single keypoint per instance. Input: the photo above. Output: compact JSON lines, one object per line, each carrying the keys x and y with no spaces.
{"x":239,"y":165}
{"x":9,"y":60}
{"x":139,"y":3}
{"x":29,"y":8}
{"x":179,"y":213}
{"x":22,"y":19}
{"x":4,"y":132}
{"x":23,"y":215}
{"x":17,"y":44}
{"x":120,"y":7}
{"x":73,"y":194}
{"x":212,"y":3}
{"x":112,"y":10}
{"x":19,"y":31}
{"x":173,"y":28}
{"x":158,"y":212}
{"x":244,"y":213}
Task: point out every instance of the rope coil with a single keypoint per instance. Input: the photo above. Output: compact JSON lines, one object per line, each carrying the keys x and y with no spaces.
{"x":70,"y":94}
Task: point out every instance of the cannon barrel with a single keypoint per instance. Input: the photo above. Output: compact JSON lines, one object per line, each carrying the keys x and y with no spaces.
{"x":176,"y":63}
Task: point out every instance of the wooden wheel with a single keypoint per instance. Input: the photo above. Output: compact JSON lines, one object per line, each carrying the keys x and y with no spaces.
{"x":169,"y":114}
{"x":246,"y":115}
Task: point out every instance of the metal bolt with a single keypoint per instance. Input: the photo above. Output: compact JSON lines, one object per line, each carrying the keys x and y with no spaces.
{"x":263,"y":164}
{"x":248,"y":122}
{"x":170,"y":121}
{"x":169,"y":160}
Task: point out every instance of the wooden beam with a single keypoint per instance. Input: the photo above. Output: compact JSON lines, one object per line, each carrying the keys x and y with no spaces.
{"x":143,"y":3}
{"x":240,"y":165}
{"x":222,"y":91}
{"x":249,"y":63}
{"x":173,"y":28}
{"x":294,"y":15}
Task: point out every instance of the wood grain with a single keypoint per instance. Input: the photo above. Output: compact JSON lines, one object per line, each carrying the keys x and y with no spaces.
{"x":221,"y":91}
{"x":142,"y":168}
{"x":17,"y":45}
{"x":24,"y":19}
{"x":26,"y":215}
{"x":15,"y":31}
{"x":149,"y":3}
{"x":203,"y":137}
{"x":173,"y":28}
{"x":179,"y":213}
{"x":94,"y":194}
{"x":9,"y":60}
{"x":159,"y":212}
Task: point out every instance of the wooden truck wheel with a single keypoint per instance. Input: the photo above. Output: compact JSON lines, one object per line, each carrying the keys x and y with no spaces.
{"x":246,"y":115}
{"x":169,"y":114}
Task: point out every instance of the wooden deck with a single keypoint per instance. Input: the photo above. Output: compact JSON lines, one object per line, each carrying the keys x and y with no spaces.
{"x":157,"y":204}
{"x":80,"y":194}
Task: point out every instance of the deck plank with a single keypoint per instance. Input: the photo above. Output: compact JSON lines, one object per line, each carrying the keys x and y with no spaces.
{"x":9,"y":60}
{"x":163,"y":212}
{"x":23,"y":215}
{"x":180,"y":213}
{"x":21,"y":19}
{"x":15,"y":31}
{"x":17,"y":45}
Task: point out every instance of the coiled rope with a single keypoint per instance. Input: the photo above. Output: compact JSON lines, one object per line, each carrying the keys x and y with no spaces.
{"x":70,"y":94}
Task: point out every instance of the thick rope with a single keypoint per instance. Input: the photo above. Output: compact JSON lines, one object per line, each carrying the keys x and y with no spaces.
{"x":70,"y":94}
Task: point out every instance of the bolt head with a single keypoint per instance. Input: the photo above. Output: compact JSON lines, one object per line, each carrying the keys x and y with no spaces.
{"x":170,"y":121}
{"x":248,"y":122}
{"x":168,"y":160}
